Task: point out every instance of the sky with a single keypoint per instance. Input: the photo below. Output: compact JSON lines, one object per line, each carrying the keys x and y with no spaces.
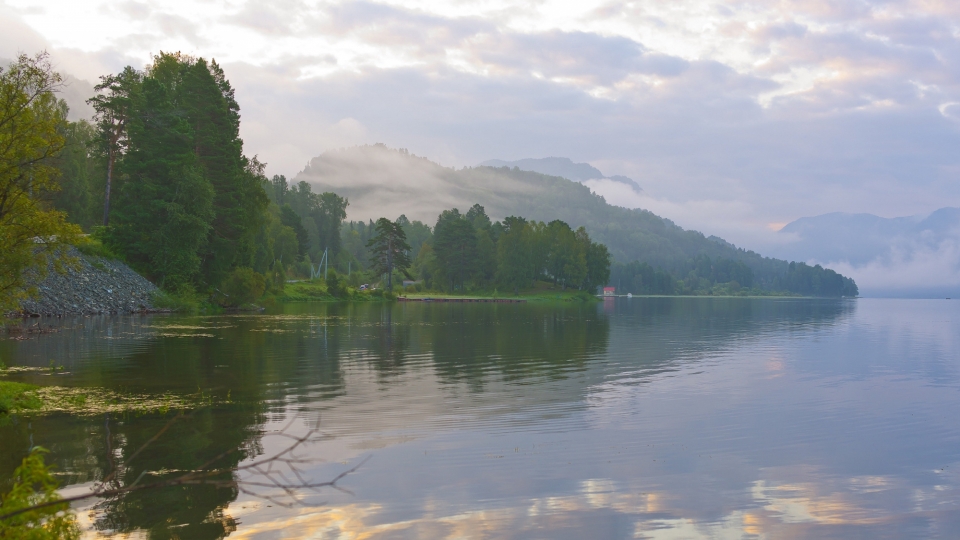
{"x":735,"y":116}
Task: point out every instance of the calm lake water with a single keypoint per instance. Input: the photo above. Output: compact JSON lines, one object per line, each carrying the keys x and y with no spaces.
{"x":630,"y":418}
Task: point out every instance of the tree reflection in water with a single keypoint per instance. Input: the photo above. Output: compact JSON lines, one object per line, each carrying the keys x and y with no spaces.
{"x":262,"y":368}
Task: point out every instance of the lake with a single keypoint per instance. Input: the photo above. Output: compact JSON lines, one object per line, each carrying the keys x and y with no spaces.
{"x":627,"y":418}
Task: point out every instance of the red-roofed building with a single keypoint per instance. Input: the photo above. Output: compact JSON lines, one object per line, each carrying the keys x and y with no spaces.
{"x":609,"y":291}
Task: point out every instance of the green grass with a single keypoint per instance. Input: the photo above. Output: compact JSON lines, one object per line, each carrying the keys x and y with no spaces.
{"x":16,"y":397}
{"x":185,"y":300}
{"x":542,"y":292}
{"x":305,"y":291}
{"x":316,"y":291}
{"x":175,"y":302}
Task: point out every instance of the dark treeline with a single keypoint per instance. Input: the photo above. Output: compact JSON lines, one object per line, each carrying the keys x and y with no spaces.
{"x":468,"y":252}
{"x":704,"y":276}
{"x":315,"y":219}
{"x":161,"y":177}
{"x":639,"y":235}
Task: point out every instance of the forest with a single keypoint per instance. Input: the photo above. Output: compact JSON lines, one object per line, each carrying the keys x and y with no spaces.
{"x":632,"y":236}
{"x":724,"y":277}
{"x":460,"y":253}
{"x":159,"y":179}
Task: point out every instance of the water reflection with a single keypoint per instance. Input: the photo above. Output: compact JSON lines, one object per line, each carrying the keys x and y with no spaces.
{"x":654,"y":417}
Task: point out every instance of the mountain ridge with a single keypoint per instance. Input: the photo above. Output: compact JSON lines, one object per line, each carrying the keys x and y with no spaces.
{"x":911,"y":256}
{"x":861,"y":237}
{"x":562,"y":167}
{"x":382,"y":182}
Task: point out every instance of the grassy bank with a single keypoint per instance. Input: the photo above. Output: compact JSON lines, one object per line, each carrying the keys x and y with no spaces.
{"x":530,"y":296}
{"x":317,"y":290}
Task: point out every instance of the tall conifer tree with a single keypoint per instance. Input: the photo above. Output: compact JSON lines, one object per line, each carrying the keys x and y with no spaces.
{"x":165,"y":206}
{"x":239,"y":199}
{"x":389,"y":249}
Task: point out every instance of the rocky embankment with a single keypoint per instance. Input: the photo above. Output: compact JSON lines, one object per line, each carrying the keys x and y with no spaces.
{"x":98,"y":285}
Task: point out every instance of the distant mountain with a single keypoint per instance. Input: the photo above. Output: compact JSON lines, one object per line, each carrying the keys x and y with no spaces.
{"x":901,"y":256}
{"x":382,"y":182}
{"x":562,"y":167}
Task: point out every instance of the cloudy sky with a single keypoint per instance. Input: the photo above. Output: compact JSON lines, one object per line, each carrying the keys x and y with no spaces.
{"x":735,"y":116}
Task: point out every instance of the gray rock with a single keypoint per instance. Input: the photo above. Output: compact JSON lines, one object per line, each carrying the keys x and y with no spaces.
{"x":97,"y":286}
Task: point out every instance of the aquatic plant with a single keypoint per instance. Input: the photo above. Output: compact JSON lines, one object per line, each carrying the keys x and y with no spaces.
{"x":32,"y":509}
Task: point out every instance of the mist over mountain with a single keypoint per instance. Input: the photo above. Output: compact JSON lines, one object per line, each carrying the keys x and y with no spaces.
{"x":562,"y":167}
{"x":383,"y":182}
{"x":913,"y":256}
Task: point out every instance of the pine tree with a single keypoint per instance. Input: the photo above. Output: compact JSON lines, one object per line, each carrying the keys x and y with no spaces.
{"x":165,"y":205}
{"x":455,"y":248}
{"x":515,"y":264}
{"x":239,"y":200}
{"x":290,"y":218}
{"x":389,"y":249}
{"x":114,"y":106}
{"x":328,"y":212}
{"x":598,"y":262}
{"x":78,"y":166}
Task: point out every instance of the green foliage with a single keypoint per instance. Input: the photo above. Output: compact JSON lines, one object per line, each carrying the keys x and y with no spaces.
{"x":515,"y":268}
{"x":162,"y":217}
{"x":16,"y":396}
{"x":277,"y":189}
{"x":455,"y":249}
{"x":477,"y":216}
{"x":93,"y":246}
{"x":566,"y":260}
{"x":183,"y":298}
{"x":336,"y":287}
{"x":417,"y":233}
{"x":238,"y":203}
{"x":242,"y":286}
{"x":80,"y":171}
{"x":115,"y":106}
{"x":33,"y":484}
{"x":424,"y":266}
{"x":189,"y":205}
{"x":328,"y":214}
{"x":469,"y":252}
{"x":628,"y":234}
{"x":277,"y":277}
{"x":290,"y":219}
{"x":598,"y":262}
{"x":389,"y":249}
{"x":486,"y":265}
{"x":817,"y":281}
{"x":641,"y":278}
{"x":321,"y":214}
{"x":31,"y":118}
{"x":274,"y":242}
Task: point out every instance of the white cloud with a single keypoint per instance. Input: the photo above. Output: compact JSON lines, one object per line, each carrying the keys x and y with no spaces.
{"x":909,"y":270}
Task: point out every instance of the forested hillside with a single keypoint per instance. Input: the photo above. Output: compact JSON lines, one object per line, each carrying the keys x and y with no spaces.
{"x":381,"y":181}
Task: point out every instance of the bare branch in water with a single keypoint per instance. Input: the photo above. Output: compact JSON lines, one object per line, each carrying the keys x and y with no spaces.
{"x":262,"y":474}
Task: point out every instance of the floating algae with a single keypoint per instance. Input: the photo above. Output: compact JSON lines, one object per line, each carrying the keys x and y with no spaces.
{"x":94,"y":401}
